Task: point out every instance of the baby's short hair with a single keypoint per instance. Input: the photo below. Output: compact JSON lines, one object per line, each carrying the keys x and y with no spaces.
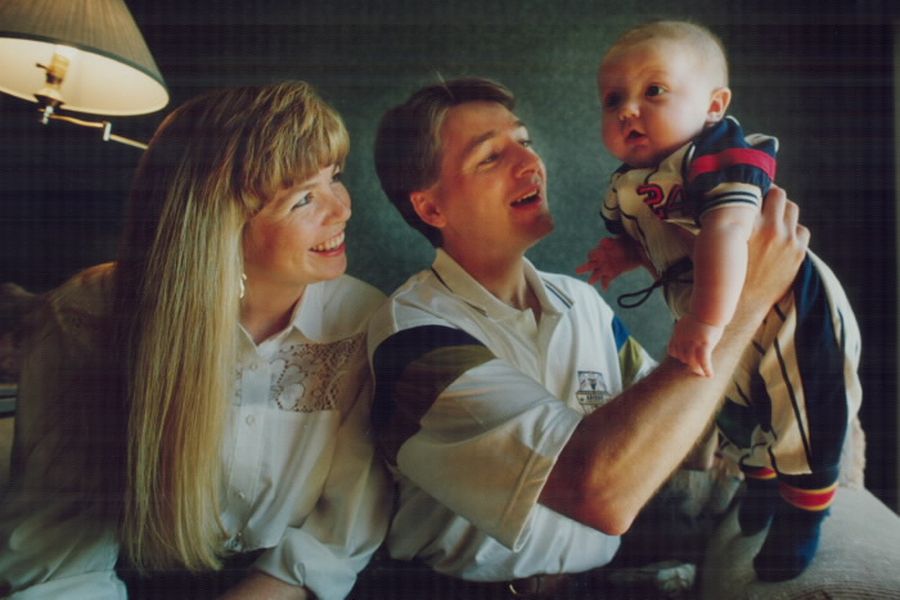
{"x":705,"y":43}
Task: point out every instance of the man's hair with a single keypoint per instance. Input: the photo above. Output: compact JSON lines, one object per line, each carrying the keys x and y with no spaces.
{"x":707,"y":46}
{"x":408,"y":148}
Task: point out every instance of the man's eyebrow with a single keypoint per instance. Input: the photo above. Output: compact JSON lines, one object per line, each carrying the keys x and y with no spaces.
{"x":480,"y":139}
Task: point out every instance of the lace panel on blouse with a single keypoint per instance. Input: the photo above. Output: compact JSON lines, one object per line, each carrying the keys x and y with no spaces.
{"x":310,"y":377}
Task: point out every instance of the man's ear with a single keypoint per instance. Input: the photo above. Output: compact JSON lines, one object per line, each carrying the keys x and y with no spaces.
{"x":718,"y":105}
{"x":424,"y":204}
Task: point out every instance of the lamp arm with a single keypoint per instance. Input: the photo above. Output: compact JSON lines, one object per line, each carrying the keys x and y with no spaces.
{"x":106,"y":126}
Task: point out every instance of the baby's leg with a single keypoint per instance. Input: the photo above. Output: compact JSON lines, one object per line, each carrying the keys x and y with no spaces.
{"x":759,"y":500}
{"x":809,"y":369}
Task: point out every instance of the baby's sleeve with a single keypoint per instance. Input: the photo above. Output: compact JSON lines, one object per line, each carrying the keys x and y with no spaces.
{"x":609,"y":210}
{"x":727,"y":168}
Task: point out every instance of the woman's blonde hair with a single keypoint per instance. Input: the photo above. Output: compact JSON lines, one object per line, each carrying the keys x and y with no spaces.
{"x":209,"y":168}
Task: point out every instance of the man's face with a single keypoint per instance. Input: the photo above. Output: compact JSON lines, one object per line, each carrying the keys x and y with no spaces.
{"x":491,"y":196}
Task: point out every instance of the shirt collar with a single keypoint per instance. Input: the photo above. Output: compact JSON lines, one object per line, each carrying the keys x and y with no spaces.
{"x":306,"y":319}
{"x":449,"y":272}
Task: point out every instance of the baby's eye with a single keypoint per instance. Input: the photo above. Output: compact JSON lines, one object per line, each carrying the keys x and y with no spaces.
{"x":611,"y":101}
{"x":655,"y":90}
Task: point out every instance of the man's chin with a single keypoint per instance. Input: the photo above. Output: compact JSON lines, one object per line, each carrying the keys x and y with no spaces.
{"x":542,"y":227}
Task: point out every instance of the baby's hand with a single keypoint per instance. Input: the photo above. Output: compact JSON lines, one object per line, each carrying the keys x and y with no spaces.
{"x":692,"y":343}
{"x":612,"y":257}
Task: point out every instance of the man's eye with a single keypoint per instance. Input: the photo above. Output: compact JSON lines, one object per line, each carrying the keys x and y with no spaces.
{"x":492,"y":157}
{"x":655,"y":90}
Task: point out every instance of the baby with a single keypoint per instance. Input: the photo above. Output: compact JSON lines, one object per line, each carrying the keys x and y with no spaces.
{"x":683,"y":205}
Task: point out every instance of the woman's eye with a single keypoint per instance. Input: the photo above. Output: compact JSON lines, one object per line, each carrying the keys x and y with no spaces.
{"x":302,"y":200}
{"x":526,"y":143}
{"x":337,"y":176}
{"x":655,"y":90}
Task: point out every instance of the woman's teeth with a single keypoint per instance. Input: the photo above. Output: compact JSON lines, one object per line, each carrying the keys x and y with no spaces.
{"x":329,"y":244}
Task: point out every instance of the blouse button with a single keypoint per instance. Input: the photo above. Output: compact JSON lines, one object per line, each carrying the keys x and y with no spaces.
{"x":250,"y":420}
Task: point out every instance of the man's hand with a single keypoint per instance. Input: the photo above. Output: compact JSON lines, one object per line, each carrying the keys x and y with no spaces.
{"x":776,"y":249}
{"x":612,"y":257}
{"x":692,"y":343}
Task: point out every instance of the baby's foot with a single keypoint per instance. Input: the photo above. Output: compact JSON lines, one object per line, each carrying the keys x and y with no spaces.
{"x":790,"y":545}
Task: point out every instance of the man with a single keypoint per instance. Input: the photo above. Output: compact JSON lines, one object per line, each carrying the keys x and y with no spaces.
{"x":501,"y":400}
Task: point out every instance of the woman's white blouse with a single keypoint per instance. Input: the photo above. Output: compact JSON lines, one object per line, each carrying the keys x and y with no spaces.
{"x":300,"y":476}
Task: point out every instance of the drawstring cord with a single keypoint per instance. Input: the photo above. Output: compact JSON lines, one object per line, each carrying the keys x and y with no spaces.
{"x":670,"y":275}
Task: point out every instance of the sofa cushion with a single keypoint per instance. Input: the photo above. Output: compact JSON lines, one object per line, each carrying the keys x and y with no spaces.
{"x":858,"y":557}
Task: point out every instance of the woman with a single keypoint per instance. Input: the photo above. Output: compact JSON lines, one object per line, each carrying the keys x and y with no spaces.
{"x":206,"y":398}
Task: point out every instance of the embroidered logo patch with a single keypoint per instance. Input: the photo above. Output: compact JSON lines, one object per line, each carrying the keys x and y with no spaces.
{"x":592,"y":390}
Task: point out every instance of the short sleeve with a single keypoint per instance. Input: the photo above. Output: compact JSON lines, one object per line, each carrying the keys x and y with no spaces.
{"x":727,"y":168}
{"x":634,"y":361}
{"x":491,"y":430}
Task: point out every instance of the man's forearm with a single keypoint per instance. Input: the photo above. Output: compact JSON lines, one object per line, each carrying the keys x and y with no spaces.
{"x":620,"y":454}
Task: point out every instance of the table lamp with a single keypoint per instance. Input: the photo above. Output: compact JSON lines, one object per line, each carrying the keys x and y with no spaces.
{"x":83,"y":56}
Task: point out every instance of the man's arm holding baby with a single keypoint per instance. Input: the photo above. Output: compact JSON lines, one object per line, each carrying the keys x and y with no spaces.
{"x":621,"y":453}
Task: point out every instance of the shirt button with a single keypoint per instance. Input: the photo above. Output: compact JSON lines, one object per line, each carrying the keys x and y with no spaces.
{"x":250,"y":420}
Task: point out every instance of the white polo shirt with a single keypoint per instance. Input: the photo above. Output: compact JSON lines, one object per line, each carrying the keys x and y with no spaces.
{"x":474,"y":402}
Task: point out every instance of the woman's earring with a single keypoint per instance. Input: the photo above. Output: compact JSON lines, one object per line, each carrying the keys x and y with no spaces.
{"x":243,"y":286}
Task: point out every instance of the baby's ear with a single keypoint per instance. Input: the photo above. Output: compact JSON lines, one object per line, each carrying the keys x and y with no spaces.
{"x":718,"y":105}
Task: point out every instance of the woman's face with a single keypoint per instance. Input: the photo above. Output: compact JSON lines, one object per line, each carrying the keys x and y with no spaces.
{"x":297,"y":238}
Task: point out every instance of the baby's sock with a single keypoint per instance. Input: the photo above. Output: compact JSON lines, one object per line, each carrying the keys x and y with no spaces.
{"x":793,"y":539}
{"x":759,"y":500}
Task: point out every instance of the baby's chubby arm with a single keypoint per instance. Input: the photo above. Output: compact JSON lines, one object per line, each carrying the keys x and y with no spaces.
{"x":611,"y":257}
{"x":720,"y":267}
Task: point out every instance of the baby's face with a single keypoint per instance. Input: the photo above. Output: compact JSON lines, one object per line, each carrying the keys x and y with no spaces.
{"x":655,"y":97}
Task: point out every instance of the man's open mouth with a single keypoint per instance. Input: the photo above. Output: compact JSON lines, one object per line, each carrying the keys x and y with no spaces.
{"x":529,"y":198}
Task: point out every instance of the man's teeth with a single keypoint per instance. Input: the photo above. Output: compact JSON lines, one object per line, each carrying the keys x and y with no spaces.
{"x":329,"y":244}
{"x":526,"y":199}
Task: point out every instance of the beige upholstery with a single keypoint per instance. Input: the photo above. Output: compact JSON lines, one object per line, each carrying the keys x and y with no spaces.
{"x":859,"y":557}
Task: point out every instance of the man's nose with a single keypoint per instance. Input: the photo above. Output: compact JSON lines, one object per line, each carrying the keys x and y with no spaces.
{"x":529,"y":161}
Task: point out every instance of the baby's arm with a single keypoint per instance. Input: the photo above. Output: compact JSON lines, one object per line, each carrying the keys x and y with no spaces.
{"x":720,"y":266}
{"x":611,"y":257}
